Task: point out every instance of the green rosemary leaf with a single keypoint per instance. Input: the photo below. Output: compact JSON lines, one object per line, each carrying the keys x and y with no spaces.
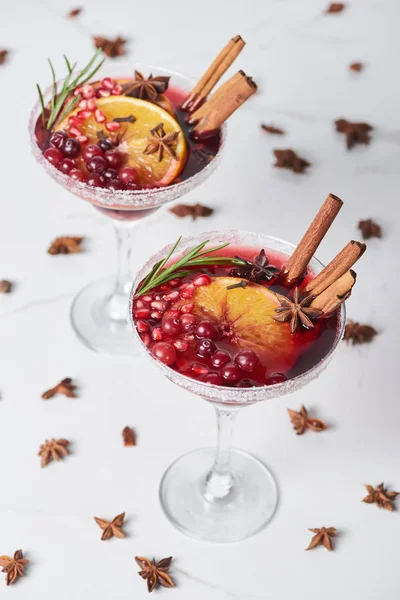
{"x":96,"y":68}
{"x":214,"y":249}
{"x":70,"y":69}
{"x":54,"y":92}
{"x":42,"y":104}
{"x":70,"y":105}
{"x":166,"y":259}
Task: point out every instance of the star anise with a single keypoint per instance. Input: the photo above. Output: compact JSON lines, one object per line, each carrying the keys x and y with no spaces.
{"x":129,"y":436}
{"x":111,"y":48}
{"x":356,"y":66}
{"x":272,"y":129}
{"x":65,"y":387}
{"x":322,"y":537}
{"x":3,"y":56}
{"x":335,"y":7}
{"x":191,"y":210}
{"x":53,"y":450}
{"x":257,"y":270}
{"x":146,"y":89}
{"x":74,"y":12}
{"x":66,"y":245}
{"x":381,"y":497}
{"x":369,"y":229}
{"x":297,"y":312}
{"x":111,"y":528}
{"x":288,"y":159}
{"x":161,"y":142}
{"x":155,"y":573}
{"x":301,"y":421}
{"x":356,"y":133}
{"x":5,"y":286}
{"x":358,"y":334}
{"x":13,"y":567}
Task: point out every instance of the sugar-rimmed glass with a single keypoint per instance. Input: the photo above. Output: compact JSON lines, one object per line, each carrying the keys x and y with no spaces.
{"x":98,"y":312}
{"x":225,"y":494}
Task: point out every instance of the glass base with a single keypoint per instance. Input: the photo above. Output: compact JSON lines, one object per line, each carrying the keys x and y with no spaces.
{"x":246,"y":510}
{"x":94,"y":317}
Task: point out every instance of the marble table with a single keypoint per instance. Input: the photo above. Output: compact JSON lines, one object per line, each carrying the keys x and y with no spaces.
{"x":300,"y":57}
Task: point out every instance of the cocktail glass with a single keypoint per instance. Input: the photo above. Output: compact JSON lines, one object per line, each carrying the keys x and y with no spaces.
{"x":98,"y":312}
{"x":225,"y":494}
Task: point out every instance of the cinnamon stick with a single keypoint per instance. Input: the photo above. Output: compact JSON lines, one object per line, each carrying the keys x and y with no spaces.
{"x":300,"y":258}
{"x":334,"y":295}
{"x":336,"y":268}
{"x":213,"y":74}
{"x":227,"y":99}
{"x":224,"y":90}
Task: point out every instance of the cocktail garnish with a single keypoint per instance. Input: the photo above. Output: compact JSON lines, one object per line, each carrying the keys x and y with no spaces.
{"x":53,"y":450}
{"x":111,"y":48}
{"x":111,"y":528}
{"x":355,"y":333}
{"x":13,"y":567}
{"x":128,"y":119}
{"x":195,"y":257}
{"x":65,"y":387}
{"x":323,"y":537}
{"x":271,"y":129}
{"x":5,"y":286}
{"x":297,"y":312}
{"x":129,"y":436}
{"x":66,"y":245}
{"x":155,"y":573}
{"x":288,"y":159}
{"x":74,"y":12}
{"x":159,"y":142}
{"x":191,"y":210}
{"x":356,"y":133}
{"x":356,"y":66}
{"x":257,"y":270}
{"x":59,"y":108}
{"x":3,"y":56}
{"x":146,"y":89}
{"x":369,"y":229}
{"x":301,"y":421}
{"x":242,"y":284}
{"x":334,"y":8}
{"x":381,"y":497}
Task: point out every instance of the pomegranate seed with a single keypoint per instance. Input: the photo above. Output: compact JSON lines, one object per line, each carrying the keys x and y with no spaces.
{"x":77,"y":90}
{"x":87,"y":91}
{"x":174,"y":282}
{"x":91,"y":104}
{"x":74,"y":120}
{"x":157,"y":334}
{"x":82,"y":104}
{"x":160,"y":305}
{"x":199,"y":369}
{"x":113,"y":126}
{"x":158,"y":297}
{"x":138,"y":304}
{"x":102,"y":93}
{"x":142,"y":313}
{"x":146,"y":339}
{"x":74,"y":131}
{"x":188,"y":322}
{"x":142,"y":326}
{"x":174,"y":313}
{"x":172,"y":296}
{"x":83,"y":139}
{"x":156,"y":315}
{"x":99,"y":116}
{"x":146,"y":299}
{"x":117,"y":90}
{"x":84,"y":114}
{"x":188,"y":292}
{"x":165,"y":287}
{"x":187,"y":308}
{"x":201,"y":280}
{"x":181,"y":345}
{"x":108,"y":83}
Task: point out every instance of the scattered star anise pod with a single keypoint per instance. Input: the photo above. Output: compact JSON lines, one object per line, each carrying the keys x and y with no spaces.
{"x":53,"y":450}
{"x":3,"y":56}
{"x":129,"y":436}
{"x":322,"y":537}
{"x":272,"y":129}
{"x":111,"y":528}
{"x":146,"y":89}
{"x":297,"y":312}
{"x":288,"y":159}
{"x":335,"y":7}
{"x":65,"y":387}
{"x":13,"y":567}
{"x":161,"y":142}
{"x":66,"y":245}
{"x":369,"y":229}
{"x":74,"y":12}
{"x":358,"y":334}
{"x":257,"y":270}
{"x":381,"y":497}
{"x":202,"y":156}
{"x":5,"y":286}
{"x":301,"y":421}
{"x":111,"y":48}
{"x":155,"y":573}
{"x":356,"y":66}
{"x":191,"y":210}
{"x":356,"y":133}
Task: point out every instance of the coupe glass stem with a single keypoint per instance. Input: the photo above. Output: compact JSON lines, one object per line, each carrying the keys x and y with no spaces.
{"x":117,"y":301}
{"x":219,"y":481}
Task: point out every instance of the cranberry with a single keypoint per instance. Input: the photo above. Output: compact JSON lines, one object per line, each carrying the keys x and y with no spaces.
{"x":97,"y":164}
{"x":246,"y":383}
{"x":231,"y":373}
{"x":66,"y":165}
{"x":90,"y":151}
{"x":57,"y":140}
{"x":113,"y":158}
{"x":131,"y":186}
{"x":95,"y":180}
{"x":53,"y":155}
{"x":171,"y":325}
{"x":166,"y":353}
{"x":128,"y":175}
{"x":276,"y":378}
{"x":105,"y":144}
{"x":213,"y":378}
{"x":206,"y":329}
{"x":188,"y":322}
{"x":220,"y":359}
{"x":71,"y":148}
{"x":247,"y":360}
{"x":115,"y":185}
{"x":110,"y":174}
{"x":77,"y":174}
{"x":206,"y":348}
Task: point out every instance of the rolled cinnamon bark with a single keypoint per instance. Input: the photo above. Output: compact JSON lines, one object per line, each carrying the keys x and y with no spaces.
{"x":224,"y":90}
{"x":334,"y":295}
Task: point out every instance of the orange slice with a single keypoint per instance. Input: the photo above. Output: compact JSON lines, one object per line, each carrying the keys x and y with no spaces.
{"x":133,"y":138}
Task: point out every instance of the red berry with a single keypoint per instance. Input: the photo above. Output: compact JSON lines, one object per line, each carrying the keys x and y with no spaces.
{"x":160,"y":305}
{"x":117,"y":90}
{"x":115,"y":185}
{"x":206,"y":348}
{"x":71,"y":148}
{"x":113,"y":158}
{"x":157,"y":334}
{"x":74,"y":120}
{"x":187,"y":291}
{"x":110,"y":174}
{"x":166,"y":353}
{"x":131,"y":186}
{"x":74,"y":131}
{"x":57,"y":140}
{"x":199,"y":369}
{"x":128,"y":175}
{"x":102,"y":93}
{"x":213,"y":379}
{"x":91,"y":151}
{"x":206,"y":329}
{"x":99,"y":116}
{"x":105,"y":144}
{"x":188,"y":322}
{"x":276,"y":378}
{"x":113,"y":126}
{"x":142,"y":326}
{"x":247,"y":360}
{"x":231,"y":373}
{"x":187,"y":308}
{"x":97,"y":164}
{"x":220,"y":359}
{"x":95,"y":180}
{"x":181,"y":345}
{"x":77,"y":174}
{"x":108,"y":83}
{"x":172,"y":296}
{"x":66,"y":165}
{"x":53,"y":155}
{"x":156,"y":315}
{"x":87,"y":91}
{"x":171,"y":325}
{"x":246,"y":383}
{"x":84,"y":114}
{"x":91,"y":104}
{"x":141,"y":313}
{"x":201,"y":280}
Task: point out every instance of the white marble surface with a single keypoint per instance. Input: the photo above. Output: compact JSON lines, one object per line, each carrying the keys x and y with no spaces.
{"x":300,"y":58}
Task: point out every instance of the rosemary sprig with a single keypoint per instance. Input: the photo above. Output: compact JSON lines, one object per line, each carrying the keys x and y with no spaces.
{"x":57,"y":109}
{"x":195,"y":257}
